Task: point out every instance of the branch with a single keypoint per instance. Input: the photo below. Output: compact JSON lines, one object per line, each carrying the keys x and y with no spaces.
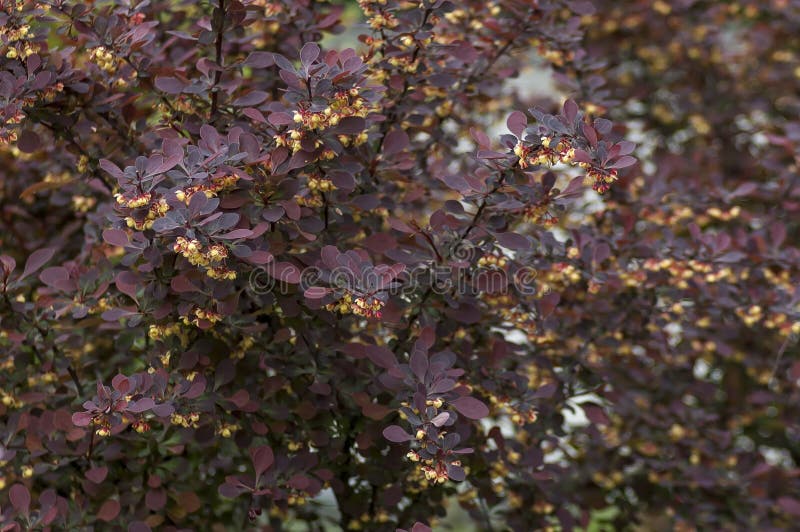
{"x":219,"y":21}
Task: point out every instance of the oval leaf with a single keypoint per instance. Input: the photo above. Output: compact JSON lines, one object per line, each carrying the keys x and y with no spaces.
{"x":36,"y":260}
{"x":20,"y":498}
{"x":470,"y":407}
{"x":396,"y":434}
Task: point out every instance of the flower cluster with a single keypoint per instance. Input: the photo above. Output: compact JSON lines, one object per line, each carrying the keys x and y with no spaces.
{"x":104,"y":58}
{"x":320,"y":184}
{"x":210,"y":257}
{"x":143,"y":211}
{"x":601,"y":179}
{"x":202,"y":317}
{"x":539,"y":213}
{"x":492,"y":260}
{"x":189,"y":420}
{"x":368,"y":306}
{"x":218,"y":184}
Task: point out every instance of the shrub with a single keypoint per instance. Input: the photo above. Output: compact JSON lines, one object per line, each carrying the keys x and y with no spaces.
{"x":247,"y":271}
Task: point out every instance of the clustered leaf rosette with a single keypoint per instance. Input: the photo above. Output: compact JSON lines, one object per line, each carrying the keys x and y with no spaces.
{"x":333,"y":105}
{"x":176,"y":201}
{"x":126,"y":403}
{"x":432,"y":398}
{"x":286,"y":481}
{"x":355,"y":285}
{"x":568,"y":138}
{"x":28,"y":80}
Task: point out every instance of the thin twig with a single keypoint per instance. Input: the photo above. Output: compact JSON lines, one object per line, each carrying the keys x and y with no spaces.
{"x":220,"y":23}
{"x":781,"y":351}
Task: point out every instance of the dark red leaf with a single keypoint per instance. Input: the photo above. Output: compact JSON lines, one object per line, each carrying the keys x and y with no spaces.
{"x":97,"y":474}
{"x":36,"y":260}
{"x":20,"y":498}
{"x":381,"y":356}
{"x":516,"y":123}
{"x":142,"y":405}
{"x":109,"y":510}
{"x":309,"y":53}
{"x":139,"y":526}
{"x":155,"y":499}
{"x":170,"y":85}
{"x":262,"y":458}
{"x":396,"y":434}
{"x":316,"y":292}
{"x":28,"y":141}
{"x":624,"y":162}
{"x":82,"y":419}
{"x":570,"y":110}
{"x":396,"y":141}
{"x":116,"y":237}
{"x":470,"y":407}
{"x":790,"y":505}
{"x":236,"y":233}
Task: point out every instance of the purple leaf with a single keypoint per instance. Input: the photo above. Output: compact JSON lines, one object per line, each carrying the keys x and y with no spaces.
{"x":121,"y":383}
{"x":789,"y":505}
{"x":262,"y":458}
{"x":97,"y":474}
{"x":116,"y":237}
{"x":139,"y":526}
{"x":163,"y":409}
{"x":440,"y":419}
{"x":155,"y":499}
{"x":309,"y":53}
{"x":128,"y":283}
{"x":624,"y":162}
{"x":582,"y":156}
{"x":236,"y":233}
{"x":574,"y":188}
{"x":601,"y":252}
{"x":516,"y":123}
{"x":351,"y":125}
{"x":20,"y":498}
{"x":250,"y":99}
{"x":470,"y":407}
{"x":590,"y":134}
{"x":381,"y":356}
{"x":456,"y":473}
{"x":625,"y":147}
{"x":109,"y":511}
{"x":570,"y":110}
{"x":111,"y":168}
{"x":595,"y":414}
{"x":55,"y":276}
{"x":141,"y":405}
{"x":82,"y":419}
{"x":548,"y":303}
{"x":395,"y":141}
{"x":443,"y":386}
{"x":170,"y":85}
{"x":316,"y":292}
{"x":513,"y":241}
{"x":36,"y":260}
{"x":259,"y":60}
{"x":28,"y":141}
{"x":546,"y":391}
{"x":396,"y":434}
{"x":419,"y":363}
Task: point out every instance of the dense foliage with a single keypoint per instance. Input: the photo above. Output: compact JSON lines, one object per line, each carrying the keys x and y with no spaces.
{"x":247,"y":273}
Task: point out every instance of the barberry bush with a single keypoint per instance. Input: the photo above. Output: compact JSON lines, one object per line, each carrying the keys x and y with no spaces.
{"x":357,"y":265}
